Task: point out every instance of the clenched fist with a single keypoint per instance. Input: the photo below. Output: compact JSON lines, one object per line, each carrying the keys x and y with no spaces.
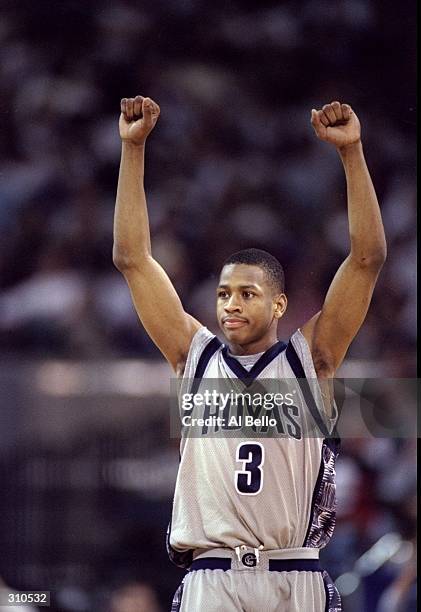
{"x":138,"y":118}
{"x":337,"y":124}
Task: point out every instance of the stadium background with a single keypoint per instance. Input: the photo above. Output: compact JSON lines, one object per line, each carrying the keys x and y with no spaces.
{"x":87,"y":467}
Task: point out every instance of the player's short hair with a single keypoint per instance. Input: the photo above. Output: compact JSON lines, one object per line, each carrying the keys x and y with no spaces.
{"x":257,"y":257}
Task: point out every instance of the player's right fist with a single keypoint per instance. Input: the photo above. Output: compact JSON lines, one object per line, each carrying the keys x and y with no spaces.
{"x":138,"y":118}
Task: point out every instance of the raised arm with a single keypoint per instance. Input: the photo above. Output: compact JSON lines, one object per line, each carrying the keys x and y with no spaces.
{"x":154,"y":297}
{"x":330,"y":332}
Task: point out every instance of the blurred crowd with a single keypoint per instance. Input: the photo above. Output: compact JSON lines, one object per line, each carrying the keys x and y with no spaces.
{"x":233,"y":163}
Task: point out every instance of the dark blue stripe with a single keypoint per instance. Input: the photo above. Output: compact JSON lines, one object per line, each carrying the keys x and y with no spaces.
{"x":264,"y":360}
{"x":294,"y":565}
{"x":275,"y":565}
{"x":297,"y":368}
{"x":204,"y":358}
{"x":211,"y":563}
{"x":333,"y":443}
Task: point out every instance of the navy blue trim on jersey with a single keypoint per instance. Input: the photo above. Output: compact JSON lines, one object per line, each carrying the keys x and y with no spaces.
{"x":204,"y":359}
{"x":315,"y":494}
{"x":248,"y":377}
{"x":333,"y":443}
{"x":275,"y":565}
{"x":296,"y":365}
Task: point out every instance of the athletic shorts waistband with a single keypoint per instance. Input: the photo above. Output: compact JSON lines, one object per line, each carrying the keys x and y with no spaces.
{"x":276,"y":553}
{"x":244,"y":558}
{"x":275,"y":565}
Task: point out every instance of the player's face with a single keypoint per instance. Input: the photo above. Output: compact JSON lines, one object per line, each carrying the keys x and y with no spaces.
{"x":246,"y":304}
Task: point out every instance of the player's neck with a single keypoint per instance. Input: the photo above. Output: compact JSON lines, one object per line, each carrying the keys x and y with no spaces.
{"x":259,"y":346}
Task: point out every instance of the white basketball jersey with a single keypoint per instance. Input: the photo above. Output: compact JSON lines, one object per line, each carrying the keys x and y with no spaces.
{"x":277,"y":492}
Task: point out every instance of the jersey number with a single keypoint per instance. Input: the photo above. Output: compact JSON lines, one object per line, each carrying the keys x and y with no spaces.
{"x":249,"y":480}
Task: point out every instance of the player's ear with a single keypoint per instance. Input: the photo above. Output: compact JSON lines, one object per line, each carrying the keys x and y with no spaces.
{"x":280,"y":304}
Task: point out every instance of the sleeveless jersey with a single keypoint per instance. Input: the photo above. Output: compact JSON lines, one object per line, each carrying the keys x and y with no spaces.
{"x":272,"y":492}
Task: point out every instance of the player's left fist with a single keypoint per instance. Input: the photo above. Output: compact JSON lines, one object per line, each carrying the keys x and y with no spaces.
{"x":337,"y":124}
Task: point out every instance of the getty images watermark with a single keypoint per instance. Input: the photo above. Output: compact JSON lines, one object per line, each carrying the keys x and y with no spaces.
{"x":265,"y":405}
{"x":295,"y":408}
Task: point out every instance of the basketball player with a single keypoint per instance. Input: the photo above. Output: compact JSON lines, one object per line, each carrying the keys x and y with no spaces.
{"x":250,"y":516}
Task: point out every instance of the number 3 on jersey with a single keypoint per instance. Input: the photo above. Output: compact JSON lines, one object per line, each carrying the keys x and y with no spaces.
{"x":249,"y":480}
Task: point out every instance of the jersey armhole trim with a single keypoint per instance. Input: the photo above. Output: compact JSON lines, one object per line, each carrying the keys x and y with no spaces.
{"x":297,"y":368}
{"x":204,"y":359}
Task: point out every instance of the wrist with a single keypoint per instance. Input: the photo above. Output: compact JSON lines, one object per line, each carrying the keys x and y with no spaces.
{"x":129,"y":145}
{"x":352,"y":148}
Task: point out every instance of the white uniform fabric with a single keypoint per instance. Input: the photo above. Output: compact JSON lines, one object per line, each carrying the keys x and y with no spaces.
{"x":208,"y":512}
{"x":293,"y":509}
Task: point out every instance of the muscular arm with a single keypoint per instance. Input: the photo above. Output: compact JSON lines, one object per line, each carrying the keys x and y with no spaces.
{"x":154,"y":297}
{"x":330,"y":332}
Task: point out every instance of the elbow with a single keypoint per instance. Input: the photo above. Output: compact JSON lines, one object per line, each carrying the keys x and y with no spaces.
{"x":376,"y":260}
{"x":120,"y":260}
{"x":121,"y":263}
{"x":373,"y":260}
{"x":124,"y":261}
